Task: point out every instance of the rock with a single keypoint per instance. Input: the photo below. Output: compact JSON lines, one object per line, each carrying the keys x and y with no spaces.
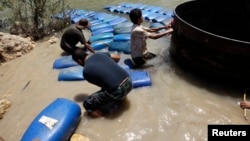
{"x":17,"y":48}
{"x":13,"y":46}
{"x":4,"y":106}
{"x":19,"y":54}
{"x":52,"y":40}
{"x":78,"y":137}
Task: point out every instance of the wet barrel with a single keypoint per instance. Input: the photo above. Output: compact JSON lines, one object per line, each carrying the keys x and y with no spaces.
{"x":213,"y":39}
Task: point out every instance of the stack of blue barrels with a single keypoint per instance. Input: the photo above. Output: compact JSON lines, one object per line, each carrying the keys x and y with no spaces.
{"x":156,"y":15}
{"x":111,"y":31}
{"x":151,"y":13}
{"x":108,"y":31}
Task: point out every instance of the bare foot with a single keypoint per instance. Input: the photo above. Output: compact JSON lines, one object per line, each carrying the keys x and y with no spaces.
{"x":96,"y":114}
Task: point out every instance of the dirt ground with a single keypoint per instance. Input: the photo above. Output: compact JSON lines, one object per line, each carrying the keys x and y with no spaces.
{"x":12,"y":47}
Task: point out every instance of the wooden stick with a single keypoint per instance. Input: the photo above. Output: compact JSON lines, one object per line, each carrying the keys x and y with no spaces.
{"x":245,"y":110}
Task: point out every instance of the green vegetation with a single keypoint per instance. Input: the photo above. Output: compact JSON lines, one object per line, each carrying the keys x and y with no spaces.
{"x":33,"y":17}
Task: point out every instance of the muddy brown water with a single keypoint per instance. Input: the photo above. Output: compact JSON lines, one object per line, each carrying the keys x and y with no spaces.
{"x":178,"y":106}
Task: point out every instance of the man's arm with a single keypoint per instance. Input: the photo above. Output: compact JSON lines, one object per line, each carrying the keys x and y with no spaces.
{"x":161,"y":34}
{"x":167,"y":26}
{"x":157,"y":29}
{"x":89,"y":48}
{"x":115,"y":57}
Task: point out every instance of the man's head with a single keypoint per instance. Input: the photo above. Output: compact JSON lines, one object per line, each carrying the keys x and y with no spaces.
{"x":79,"y":56}
{"x":135,"y":16}
{"x":83,"y":24}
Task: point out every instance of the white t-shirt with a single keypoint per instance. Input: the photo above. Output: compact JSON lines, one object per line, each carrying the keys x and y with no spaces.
{"x":138,"y":40}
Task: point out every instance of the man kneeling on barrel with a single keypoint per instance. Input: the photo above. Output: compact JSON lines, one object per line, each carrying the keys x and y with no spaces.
{"x":101,"y":69}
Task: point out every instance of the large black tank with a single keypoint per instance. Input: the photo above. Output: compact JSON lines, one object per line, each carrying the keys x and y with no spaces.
{"x":213,"y":38}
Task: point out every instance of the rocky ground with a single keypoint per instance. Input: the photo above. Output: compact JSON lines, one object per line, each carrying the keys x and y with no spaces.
{"x":12,"y":47}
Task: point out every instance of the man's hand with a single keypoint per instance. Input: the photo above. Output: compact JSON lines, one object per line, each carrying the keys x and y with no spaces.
{"x":245,"y":104}
{"x":90,"y":48}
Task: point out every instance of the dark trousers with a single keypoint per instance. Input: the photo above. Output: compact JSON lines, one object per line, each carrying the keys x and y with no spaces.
{"x":102,"y":97}
{"x":139,"y":61}
{"x":70,"y":50}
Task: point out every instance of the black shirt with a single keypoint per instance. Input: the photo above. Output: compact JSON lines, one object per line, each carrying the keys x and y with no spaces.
{"x":71,"y":36}
{"x":100,"y":69}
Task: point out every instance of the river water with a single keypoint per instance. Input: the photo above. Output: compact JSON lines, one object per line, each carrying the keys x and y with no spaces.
{"x":178,"y":106}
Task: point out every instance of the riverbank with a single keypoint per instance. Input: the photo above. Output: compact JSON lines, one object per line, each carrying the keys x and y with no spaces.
{"x":13,"y":47}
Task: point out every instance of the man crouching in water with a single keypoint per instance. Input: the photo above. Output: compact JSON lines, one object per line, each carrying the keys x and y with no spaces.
{"x":101,"y":69}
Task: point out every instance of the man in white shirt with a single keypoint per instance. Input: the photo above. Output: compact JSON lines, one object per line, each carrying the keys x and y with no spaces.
{"x":140,"y":34}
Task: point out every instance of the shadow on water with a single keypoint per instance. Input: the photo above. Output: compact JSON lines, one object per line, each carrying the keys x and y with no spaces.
{"x":80,"y":97}
{"x":114,"y":110}
{"x":214,"y":84}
